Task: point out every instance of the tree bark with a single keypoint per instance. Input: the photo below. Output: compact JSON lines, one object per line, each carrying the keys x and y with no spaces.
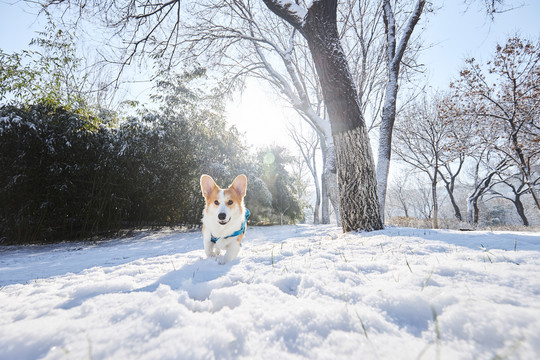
{"x":356,"y":176}
{"x":359,"y":206}
{"x":357,"y":185}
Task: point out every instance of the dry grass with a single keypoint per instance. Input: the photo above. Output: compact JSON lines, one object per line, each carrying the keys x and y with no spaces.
{"x":404,"y":221}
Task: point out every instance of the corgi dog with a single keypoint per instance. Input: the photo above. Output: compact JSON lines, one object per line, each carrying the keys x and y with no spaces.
{"x":224,"y":217}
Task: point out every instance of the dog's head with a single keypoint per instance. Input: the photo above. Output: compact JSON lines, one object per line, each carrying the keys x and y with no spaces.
{"x":224,"y":204}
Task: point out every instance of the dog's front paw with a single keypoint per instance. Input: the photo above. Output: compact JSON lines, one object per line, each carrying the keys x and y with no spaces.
{"x":211,"y":250}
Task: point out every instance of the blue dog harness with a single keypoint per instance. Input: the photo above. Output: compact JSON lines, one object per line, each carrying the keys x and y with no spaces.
{"x":236,"y":233}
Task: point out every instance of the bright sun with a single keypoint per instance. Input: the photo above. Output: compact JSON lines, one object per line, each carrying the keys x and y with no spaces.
{"x":261,"y":115}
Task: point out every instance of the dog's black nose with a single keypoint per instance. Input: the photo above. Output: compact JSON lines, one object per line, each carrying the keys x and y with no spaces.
{"x":221,"y":216}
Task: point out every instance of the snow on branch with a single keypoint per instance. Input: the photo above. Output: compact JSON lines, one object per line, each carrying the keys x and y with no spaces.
{"x":395,"y":55}
{"x":289,"y":10}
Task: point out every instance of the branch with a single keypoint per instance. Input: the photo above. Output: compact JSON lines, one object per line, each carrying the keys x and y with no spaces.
{"x":395,"y":55}
{"x":413,"y":20}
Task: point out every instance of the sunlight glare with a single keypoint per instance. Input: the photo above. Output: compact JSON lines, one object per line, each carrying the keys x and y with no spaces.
{"x":261,"y":115}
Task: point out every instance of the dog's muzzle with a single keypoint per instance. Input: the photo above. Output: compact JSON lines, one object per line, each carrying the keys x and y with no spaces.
{"x":222,"y":217}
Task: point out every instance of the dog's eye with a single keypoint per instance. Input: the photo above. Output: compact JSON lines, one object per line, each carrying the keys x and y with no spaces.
{"x":230,"y":202}
{"x":216,"y":202}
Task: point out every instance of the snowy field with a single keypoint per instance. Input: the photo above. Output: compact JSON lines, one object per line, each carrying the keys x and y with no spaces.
{"x":295,"y":292}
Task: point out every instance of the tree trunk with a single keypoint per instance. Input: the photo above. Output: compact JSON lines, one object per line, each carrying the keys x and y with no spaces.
{"x":472,"y":209}
{"x":359,"y":206}
{"x":316,"y":217}
{"x":435,"y":202}
{"x":394,"y":53}
{"x":520,"y":210}
{"x":479,"y":190}
{"x":457,"y":211}
{"x":533,"y":192}
{"x":385,"y":135}
{"x":330,"y":176}
{"x":476,"y":211}
{"x":357,"y":185}
{"x":356,"y":174}
{"x":325,"y":212}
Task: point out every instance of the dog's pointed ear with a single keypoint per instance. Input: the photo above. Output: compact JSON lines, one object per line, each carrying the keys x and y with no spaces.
{"x":240,"y":185}
{"x":207,"y":185}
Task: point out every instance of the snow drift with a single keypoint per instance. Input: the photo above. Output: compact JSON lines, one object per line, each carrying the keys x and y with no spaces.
{"x":294,"y":292}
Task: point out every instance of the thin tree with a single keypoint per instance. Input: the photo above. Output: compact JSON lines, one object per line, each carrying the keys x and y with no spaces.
{"x":486,"y":167}
{"x":422,"y":140}
{"x":395,"y":51}
{"x":308,"y":146}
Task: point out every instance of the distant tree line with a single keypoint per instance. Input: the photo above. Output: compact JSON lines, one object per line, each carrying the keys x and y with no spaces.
{"x":482,"y":137}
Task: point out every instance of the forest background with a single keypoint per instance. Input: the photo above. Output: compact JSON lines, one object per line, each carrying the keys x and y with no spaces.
{"x":81,"y":156}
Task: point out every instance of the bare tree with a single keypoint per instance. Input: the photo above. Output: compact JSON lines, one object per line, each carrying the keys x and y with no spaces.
{"x":400,"y":192}
{"x":518,"y":187}
{"x":253,"y":44}
{"x":466,"y":139}
{"x":505,"y":101}
{"x":423,"y":141}
{"x":395,"y":51}
{"x":493,"y":7}
{"x":308,"y":146}
{"x":486,"y":167}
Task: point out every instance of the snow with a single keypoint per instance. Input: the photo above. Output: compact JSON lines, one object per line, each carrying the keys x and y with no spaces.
{"x":295,"y":292}
{"x":293,"y":8}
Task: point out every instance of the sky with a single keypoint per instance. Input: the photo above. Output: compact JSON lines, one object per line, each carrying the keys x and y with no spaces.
{"x":452,"y":33}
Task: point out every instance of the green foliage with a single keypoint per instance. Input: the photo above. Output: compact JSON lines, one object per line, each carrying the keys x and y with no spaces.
{"x":56,"y":180}
{"x":51,"y":74}
{"x":68,"y":174}
{"x":286,"y":207}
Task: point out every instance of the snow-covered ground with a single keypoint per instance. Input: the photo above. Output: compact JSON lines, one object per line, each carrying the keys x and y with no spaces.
{"x":294,"y":292}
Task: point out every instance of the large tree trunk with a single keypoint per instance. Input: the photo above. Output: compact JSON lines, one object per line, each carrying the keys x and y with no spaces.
{"x":357,"y":185}
{"x":359,"y":206}
{"x":356,"y":173}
